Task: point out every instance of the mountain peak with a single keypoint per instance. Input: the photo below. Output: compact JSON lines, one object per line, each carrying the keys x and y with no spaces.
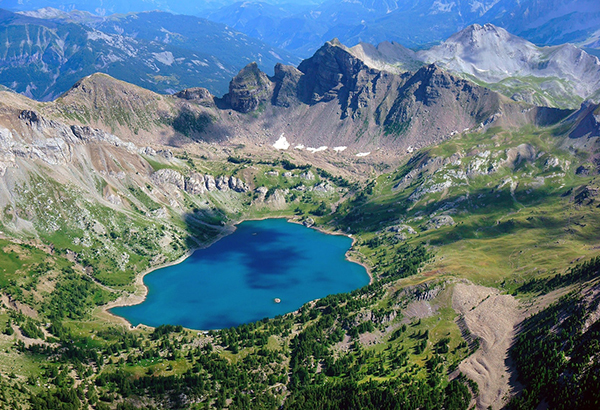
{"x":249,"y":88}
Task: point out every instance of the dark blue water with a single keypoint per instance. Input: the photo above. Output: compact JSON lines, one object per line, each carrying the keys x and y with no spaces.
{"x":236,"y":279}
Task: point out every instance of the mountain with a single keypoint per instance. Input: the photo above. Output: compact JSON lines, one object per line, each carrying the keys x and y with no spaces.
{"x":160,"y":51}
{"x":302,"y":31}
{"x":414,"y":24}
{"x":550,"y":22}
{"x":556,"y":76}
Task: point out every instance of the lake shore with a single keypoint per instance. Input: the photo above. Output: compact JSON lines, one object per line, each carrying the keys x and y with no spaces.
{"x":141,"y":290}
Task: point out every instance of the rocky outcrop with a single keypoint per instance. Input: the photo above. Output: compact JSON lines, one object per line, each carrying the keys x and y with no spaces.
{"x":238,"y":185}
{"x":168,"y":176}
{"x":210,"y":183}
{"x":402,"y":228}
{"x":195,"y":184}
{"x":308,"y":175}
{"x":198,"y":184}
{"x":198,"y":95}
{"x":323,"y":187}
{"x":439,"y":221}
{"x":286,"y":80}
{"x":249,"y":89}
{"x":222,"y":183}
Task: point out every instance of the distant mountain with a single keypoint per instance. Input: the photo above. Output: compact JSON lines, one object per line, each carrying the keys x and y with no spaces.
{"x":301,"y":26}
{"x":412,"y":23}
{"x":42,"y":57}
{"x":558,"y":76}
{"x":549,"y":22}
{"x":107,"y":7}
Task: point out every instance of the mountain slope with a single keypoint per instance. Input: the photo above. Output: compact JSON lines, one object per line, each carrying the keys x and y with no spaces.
{"x":159,"y":51}
{"x":558,"y":76}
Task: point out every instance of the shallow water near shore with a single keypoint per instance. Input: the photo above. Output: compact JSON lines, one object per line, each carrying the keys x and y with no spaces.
{"x":237,"y":279}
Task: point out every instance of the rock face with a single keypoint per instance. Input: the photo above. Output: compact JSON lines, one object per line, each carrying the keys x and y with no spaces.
{"x":195,"y":184}
{"x":238,"y":185}
{"x":168,"y":176}
{"x":210,"y":183}
{"x":587,"y":121}
{"x":222,"y":183}
{"x":250,"y":88}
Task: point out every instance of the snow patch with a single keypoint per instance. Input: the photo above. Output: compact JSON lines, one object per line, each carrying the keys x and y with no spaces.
{"x":363,"y":154}
{"x":313,"y":150}
{"x":339,"y":149}
{"x":281,"y":143}
{"x":299,"y":146}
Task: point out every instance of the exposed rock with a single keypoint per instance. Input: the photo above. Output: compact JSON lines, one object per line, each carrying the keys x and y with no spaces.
{"x":585,"y":196}
{"x":261,"y":192}
{"x":516,"y":155}
{"x":114,"y":199}
{"x":324,"y":187}
{"x":288,"y":174}
{"x":583,"y":170}
{"x":198,"y":95}
{"x":277,"y":199}
{"x":438,"y":221}
{"x":272,"y":173}
{"x":148,"y":151}
{"x":401,"y":228}
{"x":166,"y":153}
{"x":551,"y":162}
{"x":210,"y":183}
{"x":195,"y":184}
{"x":222,"y":183}
{"x":238,"y":185}
{"x":168,"y":176}
{"x":308,"y":175}
{"x":248,"y":89}
{"x":286,"y":80}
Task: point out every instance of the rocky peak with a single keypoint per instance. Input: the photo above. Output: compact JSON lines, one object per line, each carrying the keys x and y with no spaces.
{"x":249,"y":88}
{"x":329,"y":71}
{"x":286,"y":80}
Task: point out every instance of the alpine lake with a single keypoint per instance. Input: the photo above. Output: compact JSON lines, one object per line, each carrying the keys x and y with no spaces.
{"x":265,"y":268}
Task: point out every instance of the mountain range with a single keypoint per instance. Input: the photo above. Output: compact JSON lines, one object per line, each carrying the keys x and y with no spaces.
{"x":413,"y":24}
{"x":166,"y":53}
{"x":45,"y":52}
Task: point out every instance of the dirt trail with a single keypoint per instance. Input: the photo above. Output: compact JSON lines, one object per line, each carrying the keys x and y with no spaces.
{"x":492,"y":318}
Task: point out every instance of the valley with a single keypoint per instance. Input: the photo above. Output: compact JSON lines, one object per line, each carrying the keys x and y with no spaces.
{"x":477,"y":216}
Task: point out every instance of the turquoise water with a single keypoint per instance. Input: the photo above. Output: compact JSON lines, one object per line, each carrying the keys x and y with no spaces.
{"x":236,"y":279}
